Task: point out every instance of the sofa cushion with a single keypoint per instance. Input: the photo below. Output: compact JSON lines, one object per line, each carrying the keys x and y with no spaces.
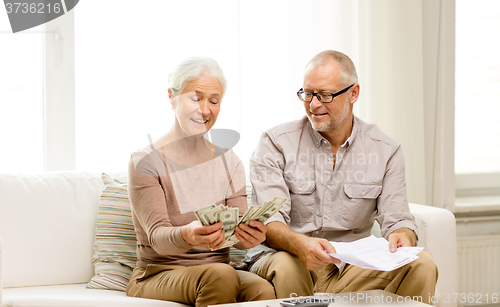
{"x":75,"y":295}
{"x":115,"y":238}
{"x":47,"y":224}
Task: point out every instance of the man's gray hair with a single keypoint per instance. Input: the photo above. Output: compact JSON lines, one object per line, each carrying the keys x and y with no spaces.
{"x":347,"y":68}
{"x":192,"y":68}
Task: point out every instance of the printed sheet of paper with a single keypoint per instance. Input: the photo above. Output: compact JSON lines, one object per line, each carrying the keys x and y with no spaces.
{"x":373,"y":253}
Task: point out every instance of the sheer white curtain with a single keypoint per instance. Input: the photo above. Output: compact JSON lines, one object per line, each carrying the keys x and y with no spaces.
{"x":391,"y":69}
{"x":401,"y":49}
{"x":404,"y":60}
{"x":439,"y":101}
{"x":276,"y":40}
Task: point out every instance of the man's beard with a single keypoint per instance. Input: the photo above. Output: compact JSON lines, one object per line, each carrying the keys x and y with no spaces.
{"x":333,"y":124}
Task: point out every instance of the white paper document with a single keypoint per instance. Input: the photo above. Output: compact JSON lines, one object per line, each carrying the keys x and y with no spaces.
{"x":373,"y":253}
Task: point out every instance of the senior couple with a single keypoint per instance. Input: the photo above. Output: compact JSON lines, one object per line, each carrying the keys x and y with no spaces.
{"x":333,"y":196}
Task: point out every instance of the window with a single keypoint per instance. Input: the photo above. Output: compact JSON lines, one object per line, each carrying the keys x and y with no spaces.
{"x":477,"y":102}
{"x":21,"y":99}
{"x":122,"y":68}
{"x":103,"y":77}
{"x":477,"y":99}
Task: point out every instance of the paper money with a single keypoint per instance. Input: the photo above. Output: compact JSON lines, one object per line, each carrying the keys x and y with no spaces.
{"x":211,"y":216}
{"x":280,"y":200}
{"x":232,"y":240}
{"x":248,"y":215}
{"x":268,"y":209}
{"x":229,"y":219}
{"x":229,"y":216}
{"x":200,"y":214}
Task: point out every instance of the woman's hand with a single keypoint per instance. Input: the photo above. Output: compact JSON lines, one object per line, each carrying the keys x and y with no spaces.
{"x":211,"y":236}
{"x":250,"y":235}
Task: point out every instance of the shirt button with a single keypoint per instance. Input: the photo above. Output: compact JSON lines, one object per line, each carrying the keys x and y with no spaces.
{"x":316,"y":232}
{"x":364,"y":193}
{"x":329,"y":187}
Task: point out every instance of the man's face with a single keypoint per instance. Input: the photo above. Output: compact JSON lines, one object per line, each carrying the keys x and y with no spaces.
{"x":326,"y":117}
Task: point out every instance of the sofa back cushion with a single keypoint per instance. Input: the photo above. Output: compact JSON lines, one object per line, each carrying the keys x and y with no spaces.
{"x":47,"y":224}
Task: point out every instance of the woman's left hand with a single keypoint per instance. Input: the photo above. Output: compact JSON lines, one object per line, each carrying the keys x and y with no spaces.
{"x":251,"y":235}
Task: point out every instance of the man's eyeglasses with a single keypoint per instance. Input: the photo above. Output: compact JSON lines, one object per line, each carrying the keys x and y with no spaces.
{"x":324,"y":97}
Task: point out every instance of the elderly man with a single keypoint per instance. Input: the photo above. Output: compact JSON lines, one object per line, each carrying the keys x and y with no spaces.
{"x":340,"y":175}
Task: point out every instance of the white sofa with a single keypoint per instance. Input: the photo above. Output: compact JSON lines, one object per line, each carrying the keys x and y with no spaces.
{"x":47,"y":225}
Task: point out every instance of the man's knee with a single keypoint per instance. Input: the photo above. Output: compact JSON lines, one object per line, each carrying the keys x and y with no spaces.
{"x":425,"y":265}
{"x":288,"y":275}
{"x":266,"y":292}
{"x":287,"y":263}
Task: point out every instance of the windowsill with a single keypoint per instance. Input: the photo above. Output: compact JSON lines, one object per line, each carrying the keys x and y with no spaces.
{"x":477,"y":206}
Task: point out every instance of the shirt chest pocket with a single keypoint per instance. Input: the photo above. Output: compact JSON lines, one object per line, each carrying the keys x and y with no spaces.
{"x":359,"y":203}
{"x":303,"y":199}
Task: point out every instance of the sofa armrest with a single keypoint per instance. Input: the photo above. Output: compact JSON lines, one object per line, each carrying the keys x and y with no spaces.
{"x":437,"y":233}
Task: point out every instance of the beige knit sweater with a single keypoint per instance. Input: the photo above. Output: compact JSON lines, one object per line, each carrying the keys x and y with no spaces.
{"x":164,"y":195}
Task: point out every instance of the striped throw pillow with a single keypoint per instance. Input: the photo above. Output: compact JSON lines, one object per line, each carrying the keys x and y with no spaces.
{"x":115,"y":239}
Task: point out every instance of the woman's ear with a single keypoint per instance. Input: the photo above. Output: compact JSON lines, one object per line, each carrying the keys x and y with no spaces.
{"x":171,"y":97}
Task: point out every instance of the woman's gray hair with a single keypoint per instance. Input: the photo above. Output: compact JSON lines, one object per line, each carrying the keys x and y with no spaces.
{"x":347,"y":69}
{"x":192,"y":68}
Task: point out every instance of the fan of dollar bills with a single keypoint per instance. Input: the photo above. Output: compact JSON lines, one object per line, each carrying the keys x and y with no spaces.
{"x":229,"y":216}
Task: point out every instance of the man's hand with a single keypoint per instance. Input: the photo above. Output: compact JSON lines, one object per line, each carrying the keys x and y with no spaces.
{"x":401,"y":237}
{"x":211,"y":236}
{"x":313,"y":253}
{"x":250,"y":235}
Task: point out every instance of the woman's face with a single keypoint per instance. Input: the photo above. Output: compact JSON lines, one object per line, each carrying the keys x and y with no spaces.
{"x":197,"y":106}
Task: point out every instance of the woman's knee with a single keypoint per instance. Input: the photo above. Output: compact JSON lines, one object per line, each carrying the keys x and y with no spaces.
{"x":218,"y":284}
{"x":221,"y":273}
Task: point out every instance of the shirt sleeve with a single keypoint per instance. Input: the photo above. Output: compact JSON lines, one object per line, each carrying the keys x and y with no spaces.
{"x":149,"y":204}
{"x":267,"y":177}
{"x":392,"y":206}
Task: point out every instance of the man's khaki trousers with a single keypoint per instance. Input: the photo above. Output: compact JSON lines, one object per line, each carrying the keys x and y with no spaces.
{"x":201,"y":285}
{"x":288,"y":275}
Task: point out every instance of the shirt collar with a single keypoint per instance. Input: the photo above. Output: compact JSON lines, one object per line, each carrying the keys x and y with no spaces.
{"x":350,"y":139}
{"x":318,"y":138}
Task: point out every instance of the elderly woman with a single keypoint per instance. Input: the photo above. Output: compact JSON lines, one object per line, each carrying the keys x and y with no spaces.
{"x":179,"y":259}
